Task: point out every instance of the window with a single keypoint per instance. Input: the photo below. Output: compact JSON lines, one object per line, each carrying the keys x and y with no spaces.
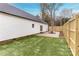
{"x":32,"y":25}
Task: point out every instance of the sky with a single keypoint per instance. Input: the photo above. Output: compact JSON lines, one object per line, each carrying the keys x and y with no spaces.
{"x":34,"y":8}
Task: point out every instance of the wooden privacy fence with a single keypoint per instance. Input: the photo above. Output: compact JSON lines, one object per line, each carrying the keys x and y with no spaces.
{"x":71,"y":33}
{"x":56,"y":28}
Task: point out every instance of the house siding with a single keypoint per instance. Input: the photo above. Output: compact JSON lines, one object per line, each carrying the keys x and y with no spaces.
{"x":14,"y":27}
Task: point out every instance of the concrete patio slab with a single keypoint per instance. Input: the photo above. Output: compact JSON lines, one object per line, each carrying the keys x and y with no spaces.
{"x":47,"y":34}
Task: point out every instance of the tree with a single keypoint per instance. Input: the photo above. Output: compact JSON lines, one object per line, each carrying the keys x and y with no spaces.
{"x":50,"y":8}
{"x":44,"y":10}
{"x":53,"y":8}
{"x":66,"y":14}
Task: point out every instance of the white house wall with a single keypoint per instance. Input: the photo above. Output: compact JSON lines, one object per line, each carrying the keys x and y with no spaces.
{"x":13,"y":27}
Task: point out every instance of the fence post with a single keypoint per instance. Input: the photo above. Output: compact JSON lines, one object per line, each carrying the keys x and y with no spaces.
{"x":69,"y":34}
{"x":77,"y":41}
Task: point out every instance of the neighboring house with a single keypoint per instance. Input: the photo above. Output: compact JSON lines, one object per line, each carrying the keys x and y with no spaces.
{"x":16,"y":23}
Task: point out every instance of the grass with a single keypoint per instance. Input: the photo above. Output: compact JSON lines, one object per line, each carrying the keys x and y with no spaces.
{"x":35,"y":46}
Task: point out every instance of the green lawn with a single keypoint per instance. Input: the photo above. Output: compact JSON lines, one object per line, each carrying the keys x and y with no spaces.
{"x":36,"y":46}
